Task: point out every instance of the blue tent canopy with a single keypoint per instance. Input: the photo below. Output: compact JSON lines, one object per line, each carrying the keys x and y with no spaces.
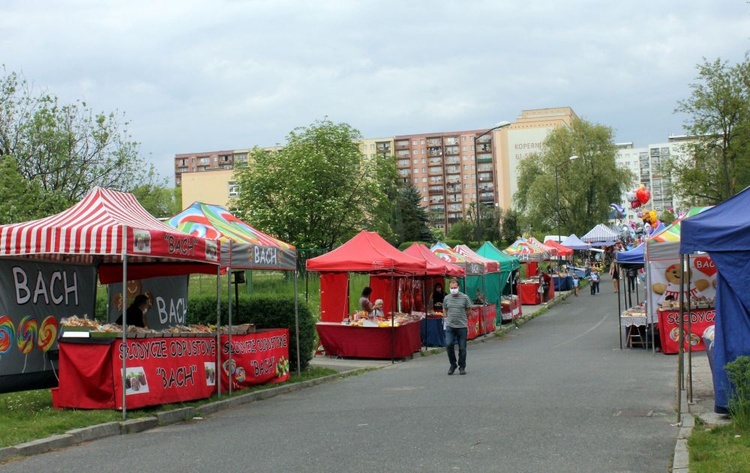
{"x":724,"y":233}
{"x":634,"y":256}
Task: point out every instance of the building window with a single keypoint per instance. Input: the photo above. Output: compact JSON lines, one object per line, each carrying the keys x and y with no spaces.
{"x":466,"y":167}
{"x":416,"y":180}
{"x":424,"y":179}
{"x":424,"y":169}
{"x":234,"y":189}
{"x":463,"y":139}
{"x":414,"y":143}
{"x":466,"y":176}
{"x":372,"y":145}
{"x":422,"y":142}
{"x":415,"y":153}
{"x":424,"y":160}
{"x":423,"y":151}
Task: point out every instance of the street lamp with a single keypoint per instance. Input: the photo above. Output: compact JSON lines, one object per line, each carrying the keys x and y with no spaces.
{"x":557,"y":195}
{"x":501,"y":124}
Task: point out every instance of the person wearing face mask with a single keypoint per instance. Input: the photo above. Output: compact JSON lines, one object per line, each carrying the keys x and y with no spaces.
{"x":136,"y":313}
{"x":456,"y":307}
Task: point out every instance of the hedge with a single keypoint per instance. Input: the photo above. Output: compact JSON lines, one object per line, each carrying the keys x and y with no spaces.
{"x":264,"y":312}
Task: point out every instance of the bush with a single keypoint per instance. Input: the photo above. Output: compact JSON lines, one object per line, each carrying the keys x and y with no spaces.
{"x":738,"y":372}
{"x":264,"y":312}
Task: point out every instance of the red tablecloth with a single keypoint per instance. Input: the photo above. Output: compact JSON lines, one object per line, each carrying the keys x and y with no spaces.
{"x":512,"y":310}
{"x":369,"y":342}
{"x":669,"y":329}
{"x":164,"y":370}
{"x":529,"y":293}
{"x":489,"y":313}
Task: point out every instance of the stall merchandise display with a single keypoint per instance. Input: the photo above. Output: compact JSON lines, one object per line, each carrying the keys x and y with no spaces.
{"x":82,"y":327}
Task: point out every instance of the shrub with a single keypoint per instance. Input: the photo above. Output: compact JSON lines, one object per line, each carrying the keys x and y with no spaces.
{"x":738,"y":372}
{"x":265,"y":312}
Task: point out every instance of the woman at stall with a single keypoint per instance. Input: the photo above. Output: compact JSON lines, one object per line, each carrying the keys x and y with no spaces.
{"x":364,"y":301}
{"x":437,"y":297}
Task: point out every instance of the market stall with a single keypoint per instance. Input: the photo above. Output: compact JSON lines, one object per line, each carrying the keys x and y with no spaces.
{"x":485,"y":290}
{"x":367,"y":252}
{"x":243,"y":248}
{"x":724,"y":233}
{"x":510,"y":305}
{"x":432,"y":325}
{"x":109,"y":231}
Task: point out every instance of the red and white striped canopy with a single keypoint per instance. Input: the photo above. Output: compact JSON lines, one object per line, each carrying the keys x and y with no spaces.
{"x":91,"y":232}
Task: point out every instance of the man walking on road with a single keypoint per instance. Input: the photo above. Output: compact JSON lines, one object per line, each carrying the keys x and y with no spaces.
{"x":456,"y":307}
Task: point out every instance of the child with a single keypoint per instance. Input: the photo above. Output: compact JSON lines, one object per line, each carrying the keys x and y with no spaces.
{"x":575,"y":284}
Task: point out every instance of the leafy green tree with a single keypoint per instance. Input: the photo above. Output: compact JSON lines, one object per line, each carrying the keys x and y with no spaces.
{"x":159,"y":200}
{"x":587,"y":185}
{"x":462,"y":230}
{"x":718,"y":160}
{"x":510,"y":228}
{"x":316,"y":191}
{"x":66,"y":149}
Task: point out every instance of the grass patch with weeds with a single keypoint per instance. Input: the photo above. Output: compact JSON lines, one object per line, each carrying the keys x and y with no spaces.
{"x":724,"y":449}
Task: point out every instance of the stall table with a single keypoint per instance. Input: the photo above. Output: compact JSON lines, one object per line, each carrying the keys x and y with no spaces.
{"x":563,"y":283}
{"x":669,"y":329}
{"x":369,"y":342}
{"x":529,"y":293}
{"x":635,"y":326}
{"x":511,"y":310}
{"x":163,"y":370}
{"x":433,"y":332}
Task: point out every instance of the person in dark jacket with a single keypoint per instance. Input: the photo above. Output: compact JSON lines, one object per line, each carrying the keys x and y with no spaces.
{"x":136,"y":313}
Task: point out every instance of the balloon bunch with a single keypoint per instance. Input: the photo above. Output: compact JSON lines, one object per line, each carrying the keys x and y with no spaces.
{"x":650,"y":221}
{"x":638,"y":197}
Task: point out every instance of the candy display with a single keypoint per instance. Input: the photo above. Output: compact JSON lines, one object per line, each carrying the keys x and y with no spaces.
{"x":383,"y":322}
{"x":28,"y":331}
{"x":76,"y":323}
{"x":7,"y":334}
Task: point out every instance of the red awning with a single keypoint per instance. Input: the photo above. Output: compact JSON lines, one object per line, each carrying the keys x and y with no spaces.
{"x":561,"y":250}
{"x":367,"y":252}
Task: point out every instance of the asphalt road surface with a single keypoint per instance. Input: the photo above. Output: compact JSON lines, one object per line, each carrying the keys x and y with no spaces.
{"x":557,"y":395}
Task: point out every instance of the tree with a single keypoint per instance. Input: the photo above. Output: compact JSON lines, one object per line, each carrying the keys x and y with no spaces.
{"x":410,"y":218}
{"x":587,"y":185}
{"x":316,"y":190}
{"x":160,"y":201}
{"x":510,"y":228}
{"x":65,"y":149}
{"x":462,"y":230}
{"x":717,"y":164}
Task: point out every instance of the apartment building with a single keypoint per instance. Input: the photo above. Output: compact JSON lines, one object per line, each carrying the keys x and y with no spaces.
{"x":452,"y":170}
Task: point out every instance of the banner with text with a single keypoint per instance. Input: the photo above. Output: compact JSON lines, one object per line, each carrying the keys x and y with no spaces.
{"x":669,"y":329}
{"x":257,"y":358}
{"x":168,"y":298}
{"x":34,"y":297}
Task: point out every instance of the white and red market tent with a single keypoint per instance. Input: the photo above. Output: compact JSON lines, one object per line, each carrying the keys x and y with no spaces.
{"x":105,"y":229}
{"x":111,"y":231}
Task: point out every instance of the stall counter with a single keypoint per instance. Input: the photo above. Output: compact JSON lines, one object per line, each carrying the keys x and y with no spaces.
{"x":163,"y":370}
{"x":669,"y":329}
{"x":369,"y":342}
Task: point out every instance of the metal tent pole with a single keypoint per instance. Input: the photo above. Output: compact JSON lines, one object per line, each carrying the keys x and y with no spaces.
{"x":124,"y":317}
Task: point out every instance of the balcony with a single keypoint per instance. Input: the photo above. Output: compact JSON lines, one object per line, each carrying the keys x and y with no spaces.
{"x":435,"y":142}
{"x":451,"y":140}
{"x":404,"y":163}
{"x":484,"y":158}
{"x":435,"y":171}
{"x":485,"y":177}
{"x":402,"y":144}
{"x":435,"y":161}
{"x":453,"y":189}
{"x":434,"y":151}
{"x":486,"y":197}
{"x":452,"y":160}
{"x":404,"y":153}
{"x":451,"y":150}
{"x":453,"y":170}
{"x":436,"y":190}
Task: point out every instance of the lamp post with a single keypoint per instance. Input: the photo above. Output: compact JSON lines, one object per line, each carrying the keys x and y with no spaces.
{"x":557,"y":195}
{"x":501,"y":124}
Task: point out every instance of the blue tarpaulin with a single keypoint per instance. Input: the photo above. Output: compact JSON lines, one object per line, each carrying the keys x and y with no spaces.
{"x":634,"y":256}
{"x":724,"y":233}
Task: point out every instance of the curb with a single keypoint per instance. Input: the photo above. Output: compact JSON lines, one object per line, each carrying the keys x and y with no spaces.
{"x":681,"y":458}
{"x":109,"y":429}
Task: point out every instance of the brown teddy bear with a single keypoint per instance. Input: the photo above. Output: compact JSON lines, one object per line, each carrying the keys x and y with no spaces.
{"x":673,"y":274}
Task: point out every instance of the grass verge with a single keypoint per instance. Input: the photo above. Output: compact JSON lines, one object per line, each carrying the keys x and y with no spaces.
{"x":724,"y":449}
{"x":29,"y":415}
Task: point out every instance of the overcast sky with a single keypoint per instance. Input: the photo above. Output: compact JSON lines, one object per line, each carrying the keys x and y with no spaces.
{"x":194,"y":75}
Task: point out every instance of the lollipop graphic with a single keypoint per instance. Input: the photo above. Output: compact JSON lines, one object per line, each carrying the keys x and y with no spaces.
{"x":7,"y":334}
{"x":47,"y":333}
{"x":47,"y":336}
{"x":28,"y":331}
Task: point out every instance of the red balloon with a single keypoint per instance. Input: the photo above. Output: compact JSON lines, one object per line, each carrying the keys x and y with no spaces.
{"x":643,"y":195}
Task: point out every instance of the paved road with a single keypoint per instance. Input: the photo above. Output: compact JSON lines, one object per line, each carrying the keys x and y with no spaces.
{"x":557,"y":395}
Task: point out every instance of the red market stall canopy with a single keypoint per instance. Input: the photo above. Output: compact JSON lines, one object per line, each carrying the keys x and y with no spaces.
{"x":244,"y":246}
{"x":562,"y":251}
{"x":435,"y":265}
{"x":491,"y":265}
{"x":105,"y":228}
{"x":367,"y":252}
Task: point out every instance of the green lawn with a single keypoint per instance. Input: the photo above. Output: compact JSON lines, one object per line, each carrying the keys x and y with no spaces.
{"x":723,"y":449}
